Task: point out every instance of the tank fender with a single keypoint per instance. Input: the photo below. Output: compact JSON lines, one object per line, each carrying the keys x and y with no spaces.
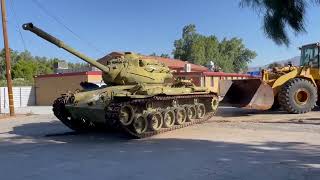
{"x":309,"y":78}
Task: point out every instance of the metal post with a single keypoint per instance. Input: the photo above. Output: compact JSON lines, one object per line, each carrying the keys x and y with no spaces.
{"x":7,"y":54}
{"x":0,"y":101}
{"x":20,"y":97}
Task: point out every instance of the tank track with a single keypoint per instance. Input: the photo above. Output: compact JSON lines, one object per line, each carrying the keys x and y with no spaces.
{"x":113,"y":110}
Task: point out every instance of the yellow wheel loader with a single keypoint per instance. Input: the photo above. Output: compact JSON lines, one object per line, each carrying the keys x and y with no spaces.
{"x":294,"y":89}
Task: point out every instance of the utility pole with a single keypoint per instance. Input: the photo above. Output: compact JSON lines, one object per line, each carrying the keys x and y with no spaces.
{"x":7,"y":55}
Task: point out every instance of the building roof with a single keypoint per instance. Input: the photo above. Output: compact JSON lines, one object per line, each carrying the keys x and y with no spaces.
{"x":211,"y":73}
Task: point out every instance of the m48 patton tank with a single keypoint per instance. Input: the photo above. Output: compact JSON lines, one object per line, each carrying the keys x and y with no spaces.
{"x":140,"y":97}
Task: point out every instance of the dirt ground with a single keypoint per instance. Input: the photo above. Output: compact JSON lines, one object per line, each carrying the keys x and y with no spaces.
{"x":235,"y":144}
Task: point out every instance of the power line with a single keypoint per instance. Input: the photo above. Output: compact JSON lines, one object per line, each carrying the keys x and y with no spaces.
{"x":17,"y":23}
{"x":40,"y":6}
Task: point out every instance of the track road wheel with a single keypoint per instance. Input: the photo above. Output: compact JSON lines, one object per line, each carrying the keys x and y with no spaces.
{"x":201,"y":111}
{"x":140,"y":124}
{"x":156,"y":121}
{"x":298,"y":96}
{"x":126,"y":115}
{"x":181,"y":116}
{"x":168,"y":118}
{"x":191,"y":112}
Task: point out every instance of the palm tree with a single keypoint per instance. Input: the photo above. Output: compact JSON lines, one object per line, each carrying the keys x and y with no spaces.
{"x":281,"y":15}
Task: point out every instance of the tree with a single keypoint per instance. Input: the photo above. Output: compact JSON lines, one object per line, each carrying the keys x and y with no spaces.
{"x":153,"y":54}
{"x":242,"y":55}
{"x":24,"y":69}
{"x":25,"y":66}
{"x":183,"y":45}
{"x":14,"y":55}
{"x":230,"y":55}
{"x":162,"y":55}
{"x":281,"y":15}
{"x":165,"y":55}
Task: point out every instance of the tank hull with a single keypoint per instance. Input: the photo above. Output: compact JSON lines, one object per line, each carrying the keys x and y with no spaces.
{"x":139,"y":111}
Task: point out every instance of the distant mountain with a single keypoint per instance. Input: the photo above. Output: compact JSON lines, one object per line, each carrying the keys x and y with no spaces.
{"x":295,"y":61}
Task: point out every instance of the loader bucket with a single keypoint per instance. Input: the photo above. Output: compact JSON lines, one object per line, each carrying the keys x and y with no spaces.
{"x":246,"y":93}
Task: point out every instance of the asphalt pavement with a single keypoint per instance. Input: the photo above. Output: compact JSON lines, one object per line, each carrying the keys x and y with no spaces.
{"x":236,"y":144}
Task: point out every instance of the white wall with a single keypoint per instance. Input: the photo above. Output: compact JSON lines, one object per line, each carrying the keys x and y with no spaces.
{"x":22,"y":97}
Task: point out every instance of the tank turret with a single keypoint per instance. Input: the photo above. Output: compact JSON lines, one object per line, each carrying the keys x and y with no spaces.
{"x":124,"y":70}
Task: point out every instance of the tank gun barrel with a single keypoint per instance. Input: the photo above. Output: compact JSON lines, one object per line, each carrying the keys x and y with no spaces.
{"x":61,"y":44}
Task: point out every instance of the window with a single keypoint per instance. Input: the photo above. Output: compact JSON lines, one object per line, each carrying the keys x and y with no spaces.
{"x":309,"y":55}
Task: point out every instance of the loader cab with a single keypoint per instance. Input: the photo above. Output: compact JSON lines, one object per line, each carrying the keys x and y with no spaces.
{"x":310,"y":55}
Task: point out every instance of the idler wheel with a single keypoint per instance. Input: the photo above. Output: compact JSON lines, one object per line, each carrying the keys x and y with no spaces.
{"x":181,"y":116}
{"x":201,"y":111}
{"x":214,"y":103}
{"x":168,"y":118}
{"x":126,"y":115}
{"x":140,"y":124}
{"x":156,"y":121}
{"x":191,"y":112}
{"x":79,"y":125}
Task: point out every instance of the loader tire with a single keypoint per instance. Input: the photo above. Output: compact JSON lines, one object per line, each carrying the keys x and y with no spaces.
{"x":318,"y":101}
{"x":298,"y":96}
{"x":275,"y":106}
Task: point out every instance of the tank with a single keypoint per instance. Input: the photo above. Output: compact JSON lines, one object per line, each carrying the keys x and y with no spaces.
{"x":141,"y":98}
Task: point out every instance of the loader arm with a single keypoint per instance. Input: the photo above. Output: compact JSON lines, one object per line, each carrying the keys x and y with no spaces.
{"x":283,"y":79}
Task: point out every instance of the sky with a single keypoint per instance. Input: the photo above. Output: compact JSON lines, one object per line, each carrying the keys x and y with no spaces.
{"x":144,"y":26}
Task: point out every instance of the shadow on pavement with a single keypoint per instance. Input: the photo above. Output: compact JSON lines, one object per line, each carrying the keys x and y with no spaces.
{"x":308,"y":121}
{"x":30,"y":154}
{"x":285,"y":118}
{"x":55,"y":130}
{"x":239,"y":112}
